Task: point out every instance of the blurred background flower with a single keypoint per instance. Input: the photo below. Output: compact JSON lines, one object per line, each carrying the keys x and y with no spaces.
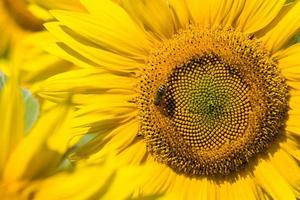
{"x":34,"y":151}
{"x":21,"y":17}
{"x":37,"y":135}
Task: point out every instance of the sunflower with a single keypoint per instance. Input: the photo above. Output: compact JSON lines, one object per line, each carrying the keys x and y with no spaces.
{"x":206,"y":91}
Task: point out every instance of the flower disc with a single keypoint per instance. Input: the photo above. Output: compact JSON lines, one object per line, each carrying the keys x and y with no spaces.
{"x":210,"y":101}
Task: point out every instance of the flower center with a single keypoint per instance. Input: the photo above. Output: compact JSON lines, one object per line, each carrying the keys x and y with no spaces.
{"x":210,"y":100}
{"x":207,"y":100}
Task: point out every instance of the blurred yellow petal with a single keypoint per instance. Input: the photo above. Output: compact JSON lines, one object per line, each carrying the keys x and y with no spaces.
{"x":37,"y":65}
{"x":20,"y":162}
{"x":16,"y":21}
{"x":61,"y":4}
{"x":11,"y":120}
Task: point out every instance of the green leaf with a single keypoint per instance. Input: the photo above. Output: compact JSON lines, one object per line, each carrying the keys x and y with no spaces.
{"x":32,"y":109}
{"x":2,"y":80}
{"x":31,"y":104}
{"x":296,"y":38}
{"x":289,"y":1}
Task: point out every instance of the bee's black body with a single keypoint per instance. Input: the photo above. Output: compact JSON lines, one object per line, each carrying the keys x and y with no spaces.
{"x":161,"y":91}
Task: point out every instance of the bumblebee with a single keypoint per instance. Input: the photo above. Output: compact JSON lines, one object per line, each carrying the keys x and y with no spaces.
{"x":161,"y":91}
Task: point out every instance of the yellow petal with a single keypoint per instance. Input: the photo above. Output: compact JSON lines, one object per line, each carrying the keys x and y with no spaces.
{"x":198,"y":188}
{"x":282,"y":161}
{"x":160,"y":181}
{"x":242,"y":187}
{"x":214,"y":13}
{"x":292,"y":123}
{"x":103,"y":122}
{"x":85,"y":53}
{"x":272,"y":182}
{"x":133,"y":154}
{"x":257,"y":14}
{"x":287,"y":57}
{"x":285,"y":9}
{"x":98,"y":102}
{"x":294,"y":116}
{"x":122,"y":137}
{"x":116,"y":127}
{"x":193,"y":188}
{"x":288,"y":62}
{"x":181,"y":187}
{"x":292,"y":147}
{"x":82,"y":183}
{"x":286,"y":28}
{"x":180,"y":13}
{"x":132,"y":178}
{"x":224,"y":190}
{"x":234,"y":10}
{"x":146,"y":14}
{"x":294,"y":101}
{"x":110,"y":28}
{"x":83,"y":81}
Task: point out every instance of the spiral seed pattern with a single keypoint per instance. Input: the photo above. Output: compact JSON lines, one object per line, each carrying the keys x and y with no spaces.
{"x":207,"y":100}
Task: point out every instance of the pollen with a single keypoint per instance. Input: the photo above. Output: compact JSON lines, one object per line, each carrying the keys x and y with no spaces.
{"x":210,"y":101}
